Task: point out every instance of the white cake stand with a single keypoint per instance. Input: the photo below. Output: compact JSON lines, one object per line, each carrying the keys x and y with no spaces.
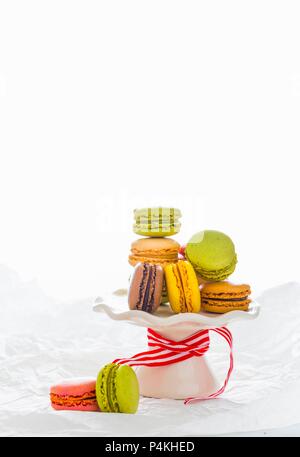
{"x":190,"y":378}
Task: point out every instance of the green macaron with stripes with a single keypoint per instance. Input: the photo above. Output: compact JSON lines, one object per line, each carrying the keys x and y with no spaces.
{"x":157,"y":221}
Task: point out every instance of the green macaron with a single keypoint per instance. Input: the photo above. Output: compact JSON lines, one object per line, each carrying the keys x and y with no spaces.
{"x":212,"y":255}
{"x":117,"y":389}
{"x":157,"y":221}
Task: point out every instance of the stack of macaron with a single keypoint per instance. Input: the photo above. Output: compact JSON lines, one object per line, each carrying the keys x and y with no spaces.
{"x":154,"y":247}
{"x":190,"y":277}
{"x":155,"y":226}
{"x":116,"y":390}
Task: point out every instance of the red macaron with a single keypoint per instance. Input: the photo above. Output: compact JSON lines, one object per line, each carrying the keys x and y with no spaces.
{"x":74,"y":394}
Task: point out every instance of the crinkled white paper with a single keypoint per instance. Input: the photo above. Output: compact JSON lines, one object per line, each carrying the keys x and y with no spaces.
{"x":42,"y":341}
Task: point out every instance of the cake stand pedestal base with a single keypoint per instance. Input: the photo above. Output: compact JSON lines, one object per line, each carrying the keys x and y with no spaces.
{"x":189,"y":378}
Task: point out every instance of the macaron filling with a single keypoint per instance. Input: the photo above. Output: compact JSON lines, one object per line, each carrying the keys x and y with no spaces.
{"x":180,"y":288}
{"x":149,"y":298}
{"x":106,"y":390}
{"x":111,"y":389}
{"x":225,"y":299}
{"x":104,"y":405}
{"x":88,"y":398}
{"x":147,"y":288}
{"x":165,"y":254}
{"x":181,"y":276}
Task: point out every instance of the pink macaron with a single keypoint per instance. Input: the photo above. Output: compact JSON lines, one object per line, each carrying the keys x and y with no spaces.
{"x":74,"y":394}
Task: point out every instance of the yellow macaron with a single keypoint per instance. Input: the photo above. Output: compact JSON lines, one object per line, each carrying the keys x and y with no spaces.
{"x":182,"y":286}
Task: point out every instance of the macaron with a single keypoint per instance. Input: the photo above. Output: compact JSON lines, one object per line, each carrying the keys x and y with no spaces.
{"x":183,"y":289}
{"x":160,"y":251}
{"x":145,"y":288}
{"x":117,"y":389}
{"x":212,"y":255}
{"x":221,"y":297}
{"x":74,"y":394}
{"x":156,"y":222}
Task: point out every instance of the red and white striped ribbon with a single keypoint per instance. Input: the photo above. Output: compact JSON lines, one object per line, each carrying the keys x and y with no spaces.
{"x":166,"y":352}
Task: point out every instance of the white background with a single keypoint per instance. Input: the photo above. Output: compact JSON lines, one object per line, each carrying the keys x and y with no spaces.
{"x":109,"y":105}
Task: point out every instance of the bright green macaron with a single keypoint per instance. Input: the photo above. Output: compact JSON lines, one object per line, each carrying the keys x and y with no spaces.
{"x":157,"y":221}
{"x":212,"y":255}
{"x":117,"y":389}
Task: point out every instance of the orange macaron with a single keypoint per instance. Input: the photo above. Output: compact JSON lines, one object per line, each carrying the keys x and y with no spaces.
{"x":223,"y":296}
{"x":159,"y":251}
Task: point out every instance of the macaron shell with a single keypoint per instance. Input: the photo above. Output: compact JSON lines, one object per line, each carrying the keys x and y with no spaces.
{"x":217,"y":275}
{"x":157,"y":212}
{"x":154,"y":244}
{"x":190,"y":285}
{"x":74,"y":386}
{"x":175,"y":290}
{"x":225,"y":289}
{"x":127,"y":389}
{"x":91,"y":408}
{"x":160,"y":231}
{"x":101,"y":388}
{"x":134,"y":286}
{"x":214,"y":306}
{"x":157,"y":260}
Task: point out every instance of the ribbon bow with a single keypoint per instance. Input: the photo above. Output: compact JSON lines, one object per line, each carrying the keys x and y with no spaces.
{"x":167,"y":352}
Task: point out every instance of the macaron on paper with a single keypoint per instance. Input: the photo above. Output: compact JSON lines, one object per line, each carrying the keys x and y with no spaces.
{"x":115,"y":390}
{"x":77,"y":394}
